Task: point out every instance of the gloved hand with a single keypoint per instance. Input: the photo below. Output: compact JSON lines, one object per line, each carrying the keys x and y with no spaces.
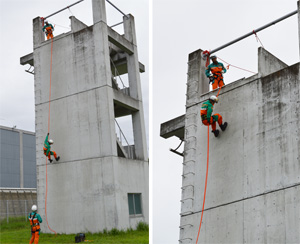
{"x":48,"y":134}
{"x":211,"y":79}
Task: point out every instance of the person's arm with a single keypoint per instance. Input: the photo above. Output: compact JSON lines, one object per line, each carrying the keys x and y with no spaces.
{"x":52,"y":26}
{"x":39,"y":218}
{"x":46,"y":140}
{"x":223,"y":68}
{"x":207,"y":71}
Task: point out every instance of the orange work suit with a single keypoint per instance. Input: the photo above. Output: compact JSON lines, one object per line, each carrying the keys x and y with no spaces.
{"x":49,"y":153}
{"x":49,"y":32}
{"x":218,"y":78}
{"x":213,"y":119}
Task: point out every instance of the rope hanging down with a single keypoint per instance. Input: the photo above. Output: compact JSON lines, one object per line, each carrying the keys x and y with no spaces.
{"x":48,"y":132}
{"x":207,"y":164}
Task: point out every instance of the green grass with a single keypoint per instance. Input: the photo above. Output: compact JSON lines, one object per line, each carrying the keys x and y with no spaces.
{"x":18,"y":231}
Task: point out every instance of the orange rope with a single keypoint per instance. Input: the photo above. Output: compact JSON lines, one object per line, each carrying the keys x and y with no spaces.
{"x":205,"y":183}
{"x":205,"y":177}
{"x":48,"y":132}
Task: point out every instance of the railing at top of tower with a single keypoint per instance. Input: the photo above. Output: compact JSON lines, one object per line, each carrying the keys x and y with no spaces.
{"x":117,"y":74}
{"x":121,"y":134}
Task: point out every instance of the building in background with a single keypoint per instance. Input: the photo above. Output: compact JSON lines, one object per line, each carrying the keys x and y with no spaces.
{"x":17,"y":158}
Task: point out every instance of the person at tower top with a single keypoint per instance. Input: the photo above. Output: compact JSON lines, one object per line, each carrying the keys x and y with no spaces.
{"x":48,"y":29}
{"x":209,"y":119}
{"x":35,"y":220}
{"x":47,"y":149}
{"x":214,"y":72}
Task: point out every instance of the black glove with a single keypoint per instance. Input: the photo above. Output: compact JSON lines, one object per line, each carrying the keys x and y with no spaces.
{"x":48,"y":134}
{"x":211,"y":79}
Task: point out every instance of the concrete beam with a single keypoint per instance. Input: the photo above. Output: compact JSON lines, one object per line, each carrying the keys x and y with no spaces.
{"x":122,"y":67}
{"x":268,"y":63}
{"x":124,"y":105}
{"x":120,"y":41}
{"x":38,"y":34}
{"x":174,"y":127}
{"x":27,"y":59}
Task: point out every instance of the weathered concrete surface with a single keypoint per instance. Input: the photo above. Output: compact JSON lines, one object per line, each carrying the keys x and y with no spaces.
{"x":253,"y":192}
{"x":268,"y":63}
{"x":88,"y":188}
{"x":174,"y":127}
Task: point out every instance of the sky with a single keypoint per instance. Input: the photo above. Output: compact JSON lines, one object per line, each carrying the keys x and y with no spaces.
{"x":177,"y":28}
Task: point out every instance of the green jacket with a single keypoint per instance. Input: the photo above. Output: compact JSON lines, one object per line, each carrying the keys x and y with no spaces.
{"x":47,"y":145}
{"x":44,"y":28}
{"x":212,"y":67}
{"x":208,"y":107}
{"x":39,"y":218}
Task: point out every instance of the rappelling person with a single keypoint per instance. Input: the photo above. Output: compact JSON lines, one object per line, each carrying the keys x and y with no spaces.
{"x":35,"y":220}
{"x":209,"y":119}
{"x":48,"y":29}
{"x":47,"y":149}
{"x":217,"y":69}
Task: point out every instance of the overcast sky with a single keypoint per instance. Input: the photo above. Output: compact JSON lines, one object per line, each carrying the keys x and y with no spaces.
{"x":178,"y":28}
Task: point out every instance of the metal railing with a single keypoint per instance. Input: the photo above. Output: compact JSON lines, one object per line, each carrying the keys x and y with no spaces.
{"x":128,"y":148}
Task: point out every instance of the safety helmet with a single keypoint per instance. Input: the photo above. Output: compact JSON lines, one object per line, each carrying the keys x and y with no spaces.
{"x":213,"y":56}
{"x":214,"y":99}
{"x":50,"y":141}
{"x":34,"y":208}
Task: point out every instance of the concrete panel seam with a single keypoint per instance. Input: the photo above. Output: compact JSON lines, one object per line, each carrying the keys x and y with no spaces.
{"x":56,"y":99}
{"x":244,"y":199}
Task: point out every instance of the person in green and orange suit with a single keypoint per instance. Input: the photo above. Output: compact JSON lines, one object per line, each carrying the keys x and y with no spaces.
{"x":217,"y":69}
{"x":48,"y":29}
{"x":47,"y":149}
{"x":209,"y":119}
{"x":35,"y":220}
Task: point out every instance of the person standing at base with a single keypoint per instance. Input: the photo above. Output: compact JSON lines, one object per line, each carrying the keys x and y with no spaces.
{"x":35,"y":220}
{"x":209,"y":119}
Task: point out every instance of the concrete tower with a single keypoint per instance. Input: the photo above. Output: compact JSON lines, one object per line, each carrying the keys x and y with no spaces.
{"x":253,"y":189}
{"x":98,"y":183}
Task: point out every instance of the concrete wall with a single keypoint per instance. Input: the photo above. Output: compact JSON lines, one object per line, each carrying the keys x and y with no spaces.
{"x":88,"y":187}
{"x":253,"y":191}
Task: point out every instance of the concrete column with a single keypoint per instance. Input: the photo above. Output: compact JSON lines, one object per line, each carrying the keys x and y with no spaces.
{"x":298,"y":4}
{"x":21,"y":161}
{"x":197,"y":83}
{"x":138,"y":123}
{"x":103,"y":77}
{"x":38,"y":34}
{"x":99,"y":12}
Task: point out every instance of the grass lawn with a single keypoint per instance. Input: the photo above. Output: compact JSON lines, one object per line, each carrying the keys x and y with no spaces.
{"x":18,"y":231}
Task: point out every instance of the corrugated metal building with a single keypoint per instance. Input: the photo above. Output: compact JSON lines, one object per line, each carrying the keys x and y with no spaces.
{"x":17,"y":158}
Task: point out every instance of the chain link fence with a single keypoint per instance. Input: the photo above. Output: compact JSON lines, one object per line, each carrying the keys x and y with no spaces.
{"x":15,"y":208}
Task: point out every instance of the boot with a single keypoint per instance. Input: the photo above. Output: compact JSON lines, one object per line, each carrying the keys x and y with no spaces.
{"x":216,"y":132}
{"x":57,"y":158}
{"x":223,"y":126}
{"x":50,"y":160}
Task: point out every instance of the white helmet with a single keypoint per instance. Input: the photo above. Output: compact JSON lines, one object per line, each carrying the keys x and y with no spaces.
{"x":214,"y":99}
{"x":50,"y":141}
{"x":34,"y":208}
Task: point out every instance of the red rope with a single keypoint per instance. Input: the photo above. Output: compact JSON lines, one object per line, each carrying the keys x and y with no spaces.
{"x":257,"y":39}
{"x":205,"y":182}
{"x":236,"y":66}
{"x":48,"y":132}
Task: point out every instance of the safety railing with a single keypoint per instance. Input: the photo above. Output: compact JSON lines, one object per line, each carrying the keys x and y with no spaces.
{"x":129,"y":149}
